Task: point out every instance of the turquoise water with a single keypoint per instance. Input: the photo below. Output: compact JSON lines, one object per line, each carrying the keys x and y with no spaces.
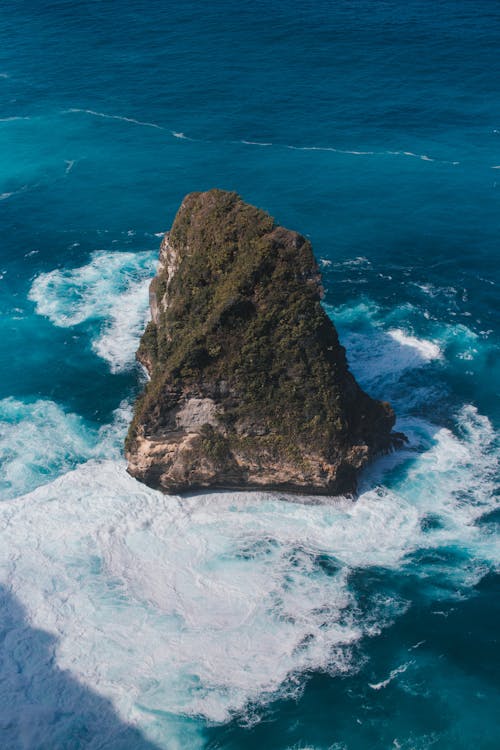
{"x":130,"y":620}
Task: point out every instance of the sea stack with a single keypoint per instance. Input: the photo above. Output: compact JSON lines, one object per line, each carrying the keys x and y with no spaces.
{"x":249,"y":386}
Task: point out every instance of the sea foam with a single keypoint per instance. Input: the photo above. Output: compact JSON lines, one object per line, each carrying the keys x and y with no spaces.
{"x":106,"y":116}
{"x":393,"y":674}
{"x":210,"y":605}
{"x":213,"y":605}
{"x":426,"y":350}
{"x":111,"y":290}
{"x":35,"y":440}
{"x":377,"y":352}
{"x":40,"y":440}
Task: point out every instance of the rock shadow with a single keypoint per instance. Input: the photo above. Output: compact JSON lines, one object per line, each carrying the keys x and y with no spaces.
{"x":43,"y":707}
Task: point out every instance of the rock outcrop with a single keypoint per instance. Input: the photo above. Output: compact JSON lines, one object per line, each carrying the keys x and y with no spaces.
{"x":249,"y":386}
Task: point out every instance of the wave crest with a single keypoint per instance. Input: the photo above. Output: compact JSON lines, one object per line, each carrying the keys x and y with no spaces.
{"x":112,"y":290}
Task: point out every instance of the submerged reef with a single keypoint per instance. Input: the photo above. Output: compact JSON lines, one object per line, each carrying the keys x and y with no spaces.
{"x":249,"y":386}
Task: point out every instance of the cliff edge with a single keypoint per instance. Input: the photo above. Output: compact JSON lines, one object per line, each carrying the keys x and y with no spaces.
{"x":249,"y":386}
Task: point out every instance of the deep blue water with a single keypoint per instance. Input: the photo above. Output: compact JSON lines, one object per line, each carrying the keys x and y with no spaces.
{"x":133,"y":621}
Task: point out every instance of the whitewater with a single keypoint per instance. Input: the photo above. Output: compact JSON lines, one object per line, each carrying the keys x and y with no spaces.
{"x":209,"y":607}
{"x":130,"y":620}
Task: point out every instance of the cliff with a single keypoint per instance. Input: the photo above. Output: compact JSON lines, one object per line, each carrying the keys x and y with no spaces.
{"x":249,"y":386}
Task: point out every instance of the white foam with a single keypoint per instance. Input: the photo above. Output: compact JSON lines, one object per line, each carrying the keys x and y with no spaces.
{"x":359,"y":260}
{"x":13,"y":118}
{"x":417,"y":645}
{"x":111,"y":289}
{"x":377,"y":354}
{"x":423,"y":157}
{"x":4,"y":196}
{"x":122,"y":118}
{"x":334,"y":150}
{"x":181,"y":136}
{"x":204,"y":605}
{"x":355,"y":152}
{"x":36,"y":439}
{"x":208,"y":605}
{"x":119,"y":340}
{"x":427,"y":350}
{"x":40,"y":440}
{"x":256,"y":143}
{"x":392,"y":675}
{"x":109,"y":442}
{"x":93,"y":113}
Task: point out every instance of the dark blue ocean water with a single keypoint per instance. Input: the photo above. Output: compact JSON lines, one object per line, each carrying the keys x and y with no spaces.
{"x":134,"y":621}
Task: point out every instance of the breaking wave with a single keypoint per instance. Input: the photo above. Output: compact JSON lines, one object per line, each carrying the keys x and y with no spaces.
{"x":212,"y":606}
{"x":377,"y":352}
{"x":112,"y":290}
{"x":40,"y":440}
{"x":208,"y":605}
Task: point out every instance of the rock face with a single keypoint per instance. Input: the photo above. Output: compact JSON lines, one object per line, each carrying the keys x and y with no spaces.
{"x":249,"y":386}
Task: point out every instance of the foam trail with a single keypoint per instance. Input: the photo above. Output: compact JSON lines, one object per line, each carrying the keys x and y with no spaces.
{"x":75,"y":110}
{"x":334,"y":150}
{"x":417,"y":645}
{"x":182,"y":136}
{"x":112,"y":289}
{"x":6,"y":195}
{"x":423,"y":157}
{"x":354,"y":152}
{"x":393,"y":673}
{"x":256,"y":143}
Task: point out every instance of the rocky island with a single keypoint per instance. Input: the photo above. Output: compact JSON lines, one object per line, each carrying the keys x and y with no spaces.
{"x":249,"y":386}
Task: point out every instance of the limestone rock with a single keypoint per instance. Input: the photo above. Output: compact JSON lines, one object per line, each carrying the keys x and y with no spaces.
{"x":249,"y":386}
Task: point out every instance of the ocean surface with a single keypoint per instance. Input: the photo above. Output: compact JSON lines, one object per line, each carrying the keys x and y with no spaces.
{"x":130,"y":620}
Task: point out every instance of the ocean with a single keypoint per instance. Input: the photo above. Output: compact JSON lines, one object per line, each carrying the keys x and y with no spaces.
{"x":130,"y":620}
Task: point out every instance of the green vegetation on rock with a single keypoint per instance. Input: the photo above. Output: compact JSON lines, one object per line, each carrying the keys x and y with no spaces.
{"x":239,"y":320}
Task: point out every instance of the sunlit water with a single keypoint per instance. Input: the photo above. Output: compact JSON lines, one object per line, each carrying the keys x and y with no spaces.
{"x":134,"y":621}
